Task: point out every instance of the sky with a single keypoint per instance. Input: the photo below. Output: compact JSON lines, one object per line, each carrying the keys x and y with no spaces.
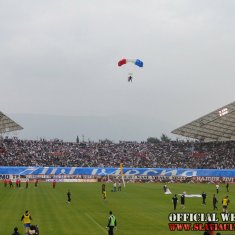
{"x":58,"y":59}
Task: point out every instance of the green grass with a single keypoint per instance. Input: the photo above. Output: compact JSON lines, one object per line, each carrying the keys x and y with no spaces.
{"x":140,"y":208}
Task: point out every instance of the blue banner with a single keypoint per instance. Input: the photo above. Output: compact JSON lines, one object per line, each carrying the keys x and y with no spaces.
{"x":115,"y":171}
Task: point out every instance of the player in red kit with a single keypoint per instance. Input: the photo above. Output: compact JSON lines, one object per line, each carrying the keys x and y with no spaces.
{"x":36,"y":183}
{"x":5,"y":183}
{"x":17,"y":183}
{"x":54,"y":183}
{"x":27,"y":184}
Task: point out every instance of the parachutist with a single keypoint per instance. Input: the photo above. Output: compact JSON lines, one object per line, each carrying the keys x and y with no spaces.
{"x":136,"y":62}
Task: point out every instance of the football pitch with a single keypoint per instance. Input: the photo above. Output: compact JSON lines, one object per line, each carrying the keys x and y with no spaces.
{"x":139,"y":208}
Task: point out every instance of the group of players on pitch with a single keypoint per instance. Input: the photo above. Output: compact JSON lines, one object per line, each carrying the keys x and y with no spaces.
{"x":29,"y":228}
{"x":34,"y":230}
{"x":225,"y":200}
{"x":115,"y":189}
{"x":18,"y":183}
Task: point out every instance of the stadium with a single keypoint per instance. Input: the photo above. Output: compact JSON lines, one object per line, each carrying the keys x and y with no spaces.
{"x":117,"y":117}
{"x":140,"y":178}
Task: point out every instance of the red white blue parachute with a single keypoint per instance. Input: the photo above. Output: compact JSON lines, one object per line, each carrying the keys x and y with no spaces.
{"x":136,"y":62}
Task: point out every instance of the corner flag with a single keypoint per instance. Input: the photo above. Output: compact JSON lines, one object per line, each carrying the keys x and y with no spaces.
{"x":121,"y":172}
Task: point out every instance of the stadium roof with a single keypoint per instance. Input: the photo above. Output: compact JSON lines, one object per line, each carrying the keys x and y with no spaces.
{"x":215,"y":126}
{"x":8,"y":125}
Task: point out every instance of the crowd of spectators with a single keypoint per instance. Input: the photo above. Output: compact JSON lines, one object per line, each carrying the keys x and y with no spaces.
{"x":171,"y":154}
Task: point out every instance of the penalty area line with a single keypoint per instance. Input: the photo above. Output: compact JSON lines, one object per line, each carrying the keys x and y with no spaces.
{"x":95,"y":222}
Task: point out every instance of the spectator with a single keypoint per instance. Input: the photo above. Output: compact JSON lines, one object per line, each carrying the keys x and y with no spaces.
{"x":172,"y":154}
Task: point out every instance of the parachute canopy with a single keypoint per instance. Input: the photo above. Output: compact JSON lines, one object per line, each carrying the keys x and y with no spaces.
{"x":136,"y":62}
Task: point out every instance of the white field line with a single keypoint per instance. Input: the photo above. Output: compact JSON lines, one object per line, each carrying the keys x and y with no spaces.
{"x":95,"y":222}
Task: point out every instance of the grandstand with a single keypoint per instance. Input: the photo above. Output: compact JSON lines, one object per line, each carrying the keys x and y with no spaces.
{"x":7,"y":124}
{"x":218,"y":125}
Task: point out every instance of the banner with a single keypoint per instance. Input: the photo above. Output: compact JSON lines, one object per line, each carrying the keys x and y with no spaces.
{"x":73,"y":180}
{"x":115,"y":171}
